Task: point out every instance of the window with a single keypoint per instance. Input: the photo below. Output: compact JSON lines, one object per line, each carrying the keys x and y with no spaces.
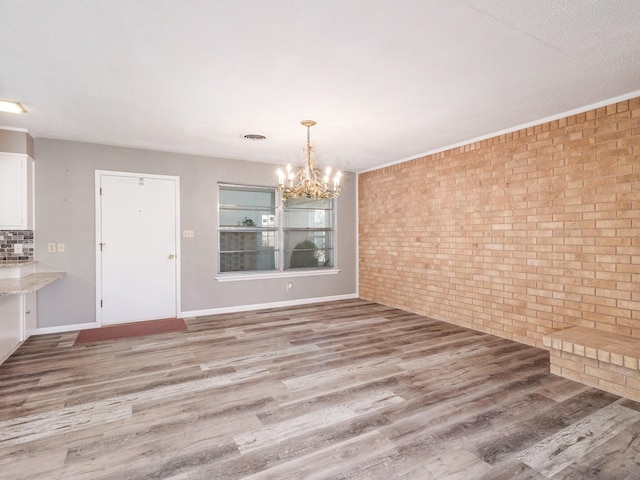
{"x":258,"y":232}
{"x":308,"y":233}
{"x":247,"y":229}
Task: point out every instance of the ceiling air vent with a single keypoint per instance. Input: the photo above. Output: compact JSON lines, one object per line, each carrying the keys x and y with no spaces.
{"x":254,"y":136}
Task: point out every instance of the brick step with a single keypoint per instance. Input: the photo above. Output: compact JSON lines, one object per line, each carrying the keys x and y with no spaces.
{"x":604,"y":360}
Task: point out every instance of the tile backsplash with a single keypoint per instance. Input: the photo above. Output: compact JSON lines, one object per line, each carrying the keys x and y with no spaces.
{"x":10,"y":238}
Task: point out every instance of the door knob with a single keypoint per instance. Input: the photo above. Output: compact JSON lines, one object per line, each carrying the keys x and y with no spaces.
{"x":171,"y":256}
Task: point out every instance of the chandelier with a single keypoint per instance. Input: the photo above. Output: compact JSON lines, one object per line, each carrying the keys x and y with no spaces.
{"x":308,"y":182}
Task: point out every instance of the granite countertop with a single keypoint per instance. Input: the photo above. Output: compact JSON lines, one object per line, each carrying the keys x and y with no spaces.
{"x":16,"y":263}
{"x":28,"y":284}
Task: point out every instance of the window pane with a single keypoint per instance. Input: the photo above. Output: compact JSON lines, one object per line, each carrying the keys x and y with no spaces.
{"x":246,"y":207}
{"x":307,"y":218}
{"x":307,"y":249}
{"x":246,"y":197}
{"x":312,"y":203}
{"x":307,"y":213}
{"x":247,"y":218}
{"x":247,"y":251}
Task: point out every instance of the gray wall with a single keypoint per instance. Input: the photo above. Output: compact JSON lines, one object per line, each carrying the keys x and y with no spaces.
{"x":13,"y":141}
{"x":65,"y":213}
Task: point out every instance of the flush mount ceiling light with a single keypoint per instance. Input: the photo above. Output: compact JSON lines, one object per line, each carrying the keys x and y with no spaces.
{"x":308,"y":182}
{"x":11,"y":107}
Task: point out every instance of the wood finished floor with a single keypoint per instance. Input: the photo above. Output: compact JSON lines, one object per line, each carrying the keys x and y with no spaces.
{"x":341,"y":390}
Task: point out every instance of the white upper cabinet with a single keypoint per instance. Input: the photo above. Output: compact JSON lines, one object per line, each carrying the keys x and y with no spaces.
{"x":16,"y":192}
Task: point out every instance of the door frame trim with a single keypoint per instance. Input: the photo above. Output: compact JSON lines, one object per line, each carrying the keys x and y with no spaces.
{"x":98,"y":213}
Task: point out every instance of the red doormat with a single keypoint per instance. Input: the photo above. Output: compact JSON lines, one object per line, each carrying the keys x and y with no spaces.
{"x":150,"y":327}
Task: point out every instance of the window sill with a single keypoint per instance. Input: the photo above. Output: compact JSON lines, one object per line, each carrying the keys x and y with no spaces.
{"x":239,"y":277}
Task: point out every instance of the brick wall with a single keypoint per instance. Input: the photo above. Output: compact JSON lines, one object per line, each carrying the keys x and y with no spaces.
{"x":517,"y":235}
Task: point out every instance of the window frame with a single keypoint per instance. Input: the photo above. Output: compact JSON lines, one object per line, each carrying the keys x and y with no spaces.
{"x":325,"y":230}
{"x":240,"y":228}
{"x":279,"y":251}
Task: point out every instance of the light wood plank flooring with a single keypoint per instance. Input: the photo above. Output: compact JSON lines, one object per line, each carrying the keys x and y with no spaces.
{"x":341,"y":390}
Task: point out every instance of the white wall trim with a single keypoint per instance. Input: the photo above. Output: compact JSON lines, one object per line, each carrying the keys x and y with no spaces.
{"x":14,"y":154}
{"x":239,"y":277}
{"x":357,"y":213}
{"x":65,"y":328}
{"x":211,"y":311}
{"x":586,"y":108}
{"x":262,"y":306}
{"x":14,"y":129}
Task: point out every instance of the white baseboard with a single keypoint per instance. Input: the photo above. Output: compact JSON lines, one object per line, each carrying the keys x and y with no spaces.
{"x":210,"y":311}
{"x":263,"y":306}
{"x":64,"y":328}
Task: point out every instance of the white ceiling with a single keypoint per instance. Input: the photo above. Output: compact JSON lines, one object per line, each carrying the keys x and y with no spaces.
{"x":386,"y":80}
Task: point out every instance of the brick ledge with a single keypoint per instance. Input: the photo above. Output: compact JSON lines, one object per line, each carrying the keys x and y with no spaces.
{"x":606,"y":347}
{"x":604,"y":360}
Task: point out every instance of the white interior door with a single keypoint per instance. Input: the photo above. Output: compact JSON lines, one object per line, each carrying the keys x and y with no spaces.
{"x":137,"y":247}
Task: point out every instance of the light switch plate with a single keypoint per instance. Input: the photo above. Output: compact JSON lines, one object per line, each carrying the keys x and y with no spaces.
{"x":17,"y":248}
{"x":61,"y":248}
{"x":51,"y":248}
{"x":188,"y":234}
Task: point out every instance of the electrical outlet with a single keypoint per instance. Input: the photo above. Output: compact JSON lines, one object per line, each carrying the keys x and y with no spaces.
{"x":17,"y":248}
{"x":51,"y":248}
{"x":61,"y":248}
{"x":289,"y":286}
{"x":188,"y":234}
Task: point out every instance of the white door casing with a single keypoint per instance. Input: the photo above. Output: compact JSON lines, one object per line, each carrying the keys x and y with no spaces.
{"x":137,"y":244}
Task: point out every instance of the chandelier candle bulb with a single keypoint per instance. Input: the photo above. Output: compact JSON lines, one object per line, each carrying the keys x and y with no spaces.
{"x":310,"y":181}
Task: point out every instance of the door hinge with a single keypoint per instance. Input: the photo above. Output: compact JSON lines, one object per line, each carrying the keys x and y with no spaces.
{"x":100,"y":190}
{"x":100,"y":303}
